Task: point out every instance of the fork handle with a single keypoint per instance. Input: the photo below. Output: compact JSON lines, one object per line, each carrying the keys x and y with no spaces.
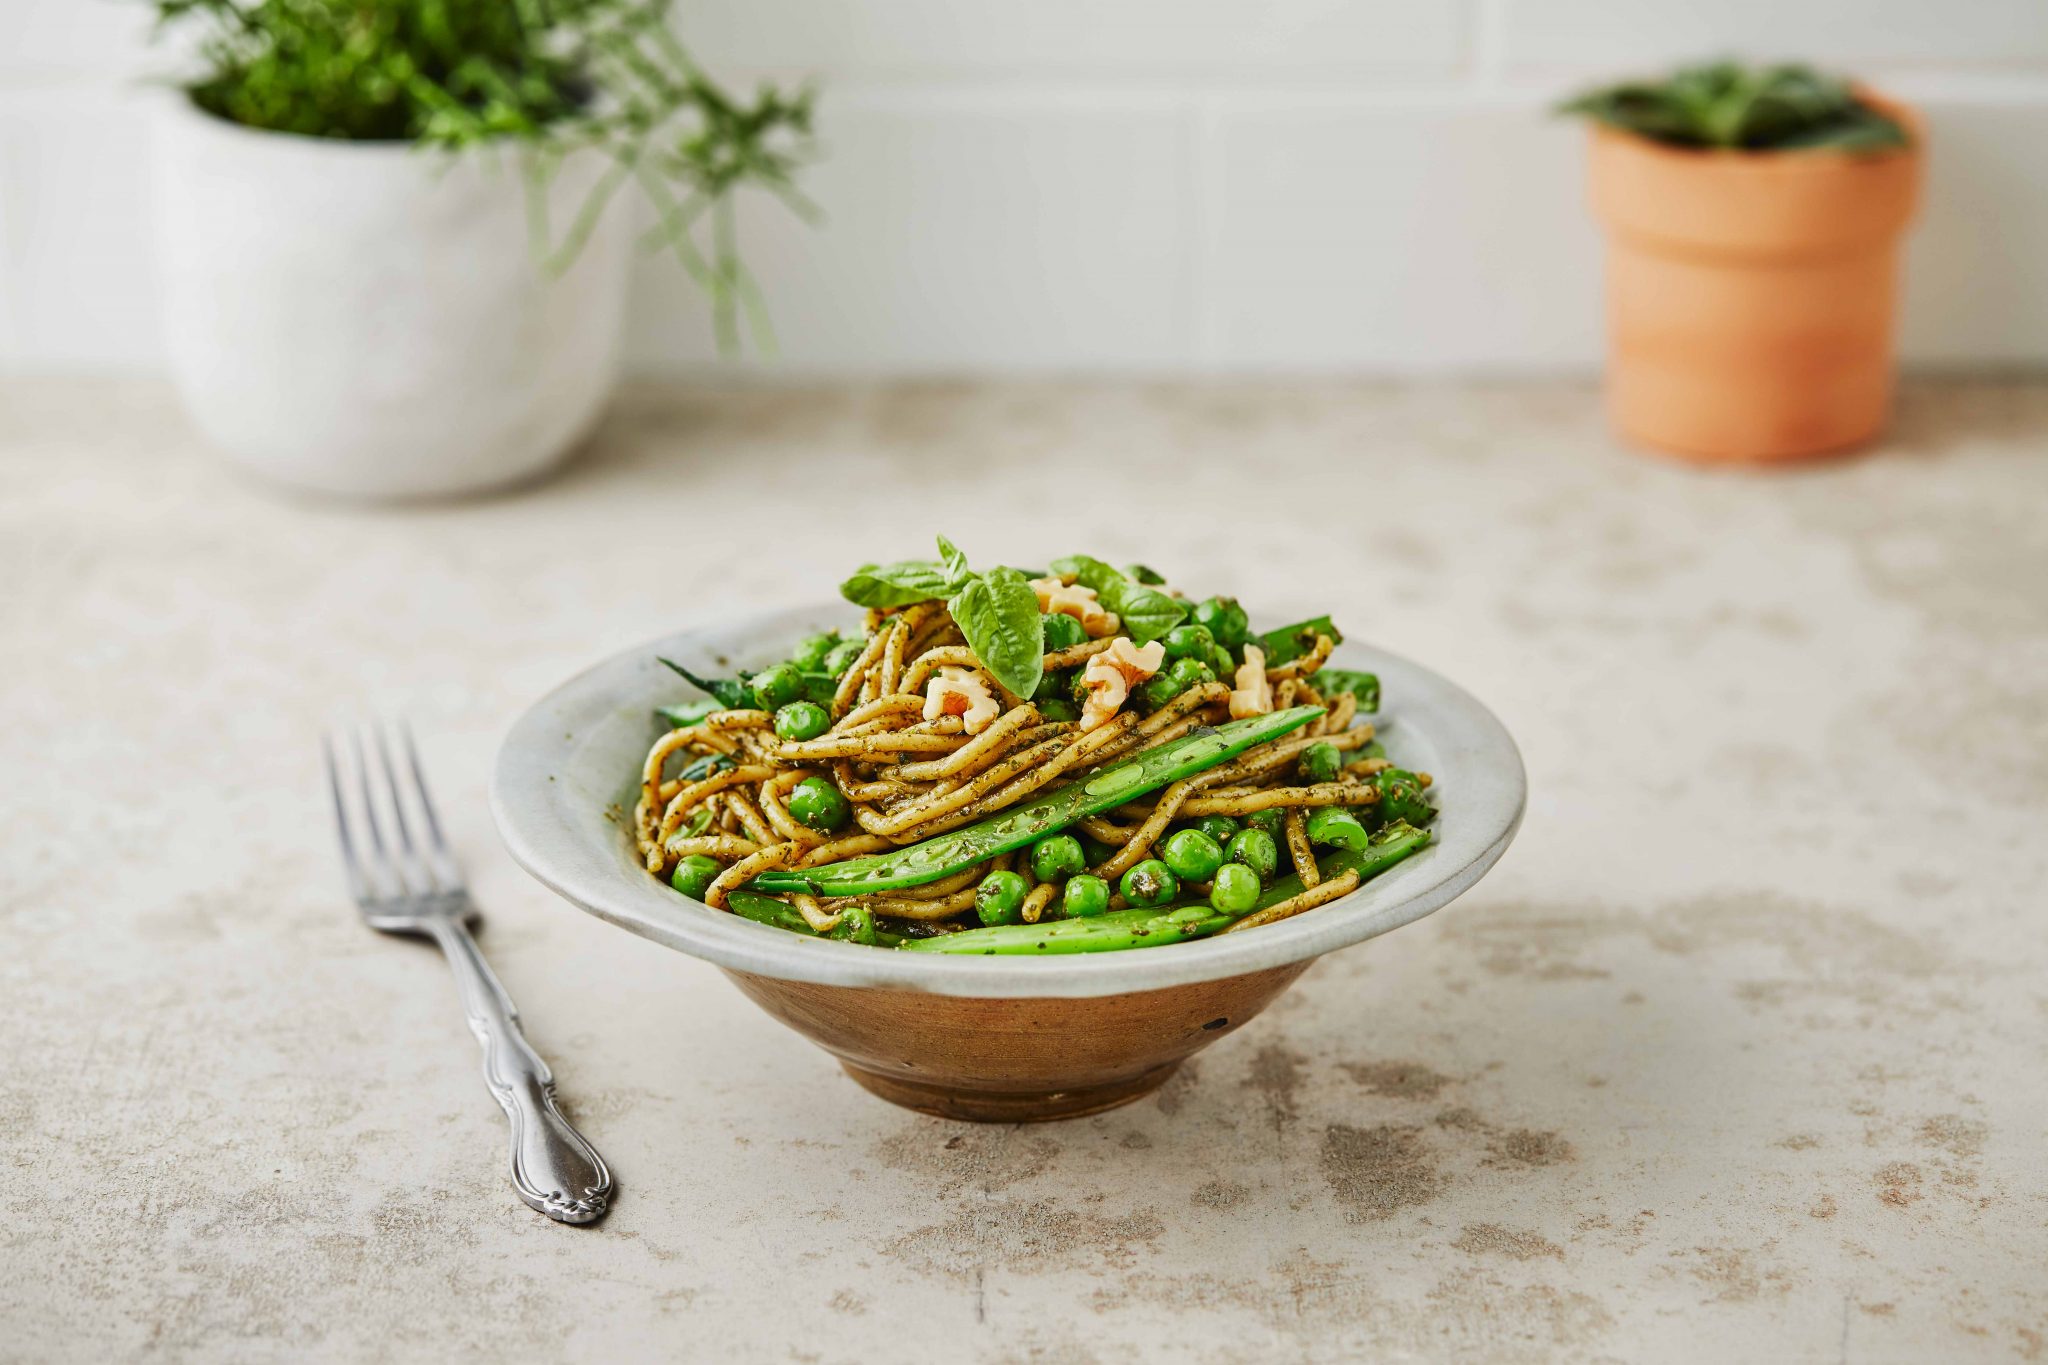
{"x":555,"y":1169}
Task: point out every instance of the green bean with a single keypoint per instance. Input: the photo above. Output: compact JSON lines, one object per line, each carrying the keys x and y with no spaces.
{"x":1029,"y":821}
{"x":1122,"y":929}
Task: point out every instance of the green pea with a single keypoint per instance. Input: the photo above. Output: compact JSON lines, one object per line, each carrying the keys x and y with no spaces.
{"x":1225,"y":620}
{"x":1235,"y":890}
{"x":1401,"y":797}
{"x":778,"y":686}
{"x":1158,"y":690}
{"x":841,"y":656}
{"x":1320,"y":762}
{"x":1190,"y":672}
{"x":811,"y":651}
{"x":1150,"y":883}
{"x":856,"y":925}
{"x":1192,"y":855}
{"x":1256,"y":850}
{"x":1270,"y":820}
{"x":693,"y":875}
{"x":1095,"y":851}
{"x":1061,"y":631}
{"x":1057,"y":857}
{"x":1000,"y":898}
{"x":817,"y":804}
{"x":1084,"y":896}
{"x":1054,"y":686}
{"x":802,"y":720}
{"x":1218,"y":827}
{"x":1059,"y":709}
{"x":1225,"y":666}
{"x":1189,"y":642}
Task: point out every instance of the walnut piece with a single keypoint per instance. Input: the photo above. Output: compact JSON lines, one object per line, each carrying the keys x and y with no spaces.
{"x":1059,"y":598}
{"x":1112,"y":674}
{"x":1252,"y":695}
{"x":961,"y":692}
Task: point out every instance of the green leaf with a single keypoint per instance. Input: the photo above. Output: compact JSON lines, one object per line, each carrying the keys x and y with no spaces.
{"x":998,"y":613}
{"x":1291,"y":642}
{"x":1332,"y":682}
{"x":902,"y":584}
{"x":1147,"y":612}
{"x":1140,"y":573}
{"x":732,"y":693}
{"x":688,"y":713}
{"x":1727,"y":105}
{"x":954,"y":565}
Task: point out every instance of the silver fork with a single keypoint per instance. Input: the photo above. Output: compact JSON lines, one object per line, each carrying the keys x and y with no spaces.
{"x":417,"y":889}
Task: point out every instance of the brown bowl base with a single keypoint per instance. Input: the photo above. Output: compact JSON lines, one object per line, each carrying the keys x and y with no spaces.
{"x":1001,"y":1106}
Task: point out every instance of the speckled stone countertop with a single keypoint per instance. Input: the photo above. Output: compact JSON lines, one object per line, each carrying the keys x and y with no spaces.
{"x":1741,"y":1053}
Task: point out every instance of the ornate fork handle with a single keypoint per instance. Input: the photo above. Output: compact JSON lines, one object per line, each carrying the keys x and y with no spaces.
{"x":554,"y":1168}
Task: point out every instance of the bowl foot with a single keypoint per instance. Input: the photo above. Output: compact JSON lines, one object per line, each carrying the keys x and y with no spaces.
{"x":1008,"y":1106}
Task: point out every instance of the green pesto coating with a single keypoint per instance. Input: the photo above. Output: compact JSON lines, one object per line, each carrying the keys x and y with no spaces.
{"x":1031,"y":820}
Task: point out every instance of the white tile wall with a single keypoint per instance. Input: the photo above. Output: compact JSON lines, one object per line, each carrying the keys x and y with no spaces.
{"x":1146,"y":185}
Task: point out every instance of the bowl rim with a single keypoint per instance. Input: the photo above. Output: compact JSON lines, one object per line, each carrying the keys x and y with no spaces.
{"x":550,"y":838}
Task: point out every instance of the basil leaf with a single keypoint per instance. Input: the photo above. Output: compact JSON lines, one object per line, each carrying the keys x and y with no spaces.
{"x":1364,"y":686}
{"x":819,"y":687}
{"x":1140,"y":573}
{"x":688,"y":713}
{"x":1147,"y":612}
{"x":733,"y":693}
{"x":901,"y":584}
{"x":955,"y":565}
{"x":1291,"y":642}
{"x":998,"y":613}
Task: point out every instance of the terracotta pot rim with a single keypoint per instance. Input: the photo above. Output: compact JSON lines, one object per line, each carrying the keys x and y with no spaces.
{"x":567,"y":762}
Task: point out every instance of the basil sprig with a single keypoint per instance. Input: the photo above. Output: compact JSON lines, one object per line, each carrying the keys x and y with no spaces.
{"x":1147,"y":613}
{"x":996,"y":609}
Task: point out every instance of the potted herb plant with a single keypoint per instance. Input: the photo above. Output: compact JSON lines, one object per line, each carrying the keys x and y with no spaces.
{"x":391,"y":233}
{"x":1753,"y":220}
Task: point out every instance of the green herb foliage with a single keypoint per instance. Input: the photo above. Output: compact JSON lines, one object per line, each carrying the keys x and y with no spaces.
{"x":996,"y":609}
{"x":1729,"y":105}
{"x":1146,"y":612}
{"x":549,"y":77}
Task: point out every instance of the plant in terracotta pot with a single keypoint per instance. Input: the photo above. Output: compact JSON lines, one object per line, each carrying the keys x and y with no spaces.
{"x":1753,"y":220}
{"x":391,"y":232}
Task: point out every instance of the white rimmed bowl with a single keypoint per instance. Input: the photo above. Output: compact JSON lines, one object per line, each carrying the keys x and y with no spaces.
{"x":987,"y":1038}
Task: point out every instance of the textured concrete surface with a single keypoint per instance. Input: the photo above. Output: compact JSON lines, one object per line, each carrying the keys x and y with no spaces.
{"x":1742,"y":1053}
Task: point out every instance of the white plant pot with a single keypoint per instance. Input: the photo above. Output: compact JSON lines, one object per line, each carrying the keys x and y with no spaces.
{"x":371,"y":320}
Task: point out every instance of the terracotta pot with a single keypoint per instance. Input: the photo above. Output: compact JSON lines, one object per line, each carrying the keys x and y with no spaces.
{"x":1750,"y":295}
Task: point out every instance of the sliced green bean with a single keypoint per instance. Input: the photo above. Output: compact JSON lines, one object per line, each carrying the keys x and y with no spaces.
{"x":1032,"y":820}
{"x":1123,"y":929}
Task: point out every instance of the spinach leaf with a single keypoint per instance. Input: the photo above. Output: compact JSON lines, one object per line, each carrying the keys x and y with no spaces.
{"x":1291,"y":642}
{"x":1364,"y":686}
{"x":1147,"y":612}
{"x":998,"y":613}
{"x":732,"y":693}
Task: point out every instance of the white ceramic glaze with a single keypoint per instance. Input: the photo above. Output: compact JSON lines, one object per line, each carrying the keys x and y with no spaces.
{"x":371,"y":320}
{"x":568,"y":770}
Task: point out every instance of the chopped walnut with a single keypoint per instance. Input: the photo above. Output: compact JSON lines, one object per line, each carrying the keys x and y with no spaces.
{"x":961,"y":692}
{"x":1060,"y":598}
{"x":1252,"y":694}
{"x":1112,"y":674}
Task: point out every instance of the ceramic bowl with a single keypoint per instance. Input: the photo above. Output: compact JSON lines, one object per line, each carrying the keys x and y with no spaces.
{"x":997,"y":1039}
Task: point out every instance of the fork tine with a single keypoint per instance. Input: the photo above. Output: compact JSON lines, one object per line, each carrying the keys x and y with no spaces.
{"x":382,"y":865}
{"x":416,"y":868}
{"x":445,"y":867}
{"x":351,"y":867}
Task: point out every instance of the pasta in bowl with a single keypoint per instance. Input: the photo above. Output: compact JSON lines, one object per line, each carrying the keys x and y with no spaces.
{"x":893,"y":925}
